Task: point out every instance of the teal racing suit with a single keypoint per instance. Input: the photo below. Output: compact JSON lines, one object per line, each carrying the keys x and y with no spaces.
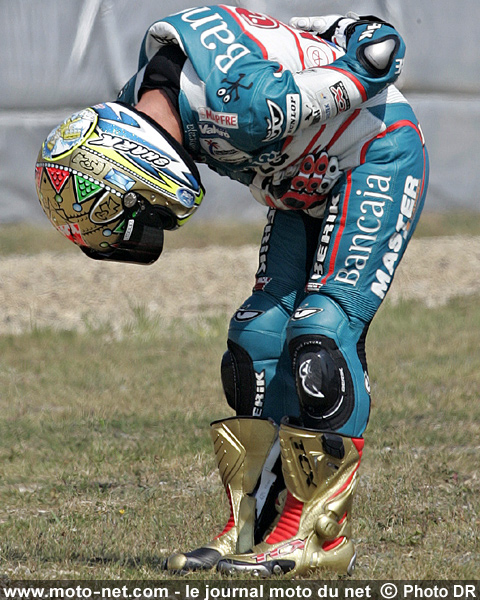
{"x":322,"y":136}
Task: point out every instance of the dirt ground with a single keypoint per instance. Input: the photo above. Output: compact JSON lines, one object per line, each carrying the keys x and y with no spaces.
{"x":71,"y":291}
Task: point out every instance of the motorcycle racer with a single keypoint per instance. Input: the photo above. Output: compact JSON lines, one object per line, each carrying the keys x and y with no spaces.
{"x":307,"y":116}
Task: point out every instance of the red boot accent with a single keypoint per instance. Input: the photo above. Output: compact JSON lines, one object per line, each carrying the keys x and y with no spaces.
{"x":289,"y":522}
{"x":333,"y":544}
{"x":359,"y":443}
{"x":231,"y":519}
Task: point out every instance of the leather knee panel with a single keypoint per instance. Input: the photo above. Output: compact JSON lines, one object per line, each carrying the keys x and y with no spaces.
{"x":244,"y":388}
{"x":324,"y":383}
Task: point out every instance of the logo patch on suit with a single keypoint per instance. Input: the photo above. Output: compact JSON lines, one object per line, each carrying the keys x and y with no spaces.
{"x":304,"y":313}
{"x":245,"y":314}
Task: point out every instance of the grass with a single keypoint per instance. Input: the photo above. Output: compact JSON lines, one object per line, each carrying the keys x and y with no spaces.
{"x":18,"y":238}
{"x":106,"y":463}
{"x":25,"y":238}
{"x":99,"y":440}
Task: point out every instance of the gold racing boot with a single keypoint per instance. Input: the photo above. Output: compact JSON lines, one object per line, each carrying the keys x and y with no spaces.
{"x":321,"y":474}
{"x":247,"y":452}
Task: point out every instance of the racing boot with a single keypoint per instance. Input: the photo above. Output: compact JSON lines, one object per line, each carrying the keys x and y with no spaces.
{"x":247,"y":452}
{"x":320,"y":471}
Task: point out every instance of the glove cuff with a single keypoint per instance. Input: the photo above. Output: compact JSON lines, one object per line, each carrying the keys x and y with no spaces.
{"x":337,"y":32}
{"x":363,"y":20}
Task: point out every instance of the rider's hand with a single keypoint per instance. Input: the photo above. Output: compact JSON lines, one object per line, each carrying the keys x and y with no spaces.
{"x":330,"y":27}
{"x":315,"y":178}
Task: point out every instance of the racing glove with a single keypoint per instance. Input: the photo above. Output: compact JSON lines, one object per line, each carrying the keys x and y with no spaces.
{"x":330,"y":27}
{"x":307,"y":189}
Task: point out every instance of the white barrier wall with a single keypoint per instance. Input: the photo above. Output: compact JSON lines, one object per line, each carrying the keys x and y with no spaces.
{"x":61,"y":55}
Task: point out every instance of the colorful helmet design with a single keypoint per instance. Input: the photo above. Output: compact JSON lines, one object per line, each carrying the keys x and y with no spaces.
{"x":111,"y":180}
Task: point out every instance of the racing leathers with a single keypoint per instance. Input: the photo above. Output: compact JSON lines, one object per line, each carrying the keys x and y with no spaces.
{"x":322,"y":137}
{"x":255,"y":98}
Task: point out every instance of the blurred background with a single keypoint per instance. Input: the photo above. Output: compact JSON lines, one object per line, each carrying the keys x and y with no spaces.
{"x":63,"y":55}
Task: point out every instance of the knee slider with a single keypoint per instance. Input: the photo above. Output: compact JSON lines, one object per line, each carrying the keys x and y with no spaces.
{"x":244,"y":388}
{"x":324,"y":383}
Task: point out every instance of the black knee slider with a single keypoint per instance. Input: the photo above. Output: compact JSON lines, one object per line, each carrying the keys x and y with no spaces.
{"x":323,"y":380}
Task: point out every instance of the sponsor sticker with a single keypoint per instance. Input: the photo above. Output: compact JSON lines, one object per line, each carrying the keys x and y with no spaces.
{"x":260,"y":386}
{"x":384,"y":275}
{"x":223,"y":119}
{"x":340,"y":96}
{"x":210,"y":130}
{"x":222,"y":150}
{"x":186,"y":197}
{"x":275,"y":122}
{"x":293,"y":113}
{"x":130,"y":148}
{"x":129,"y":230}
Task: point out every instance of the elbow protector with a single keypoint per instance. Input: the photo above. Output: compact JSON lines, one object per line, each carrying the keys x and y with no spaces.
{"x":377,"y":57}
{"x":377,"y":47}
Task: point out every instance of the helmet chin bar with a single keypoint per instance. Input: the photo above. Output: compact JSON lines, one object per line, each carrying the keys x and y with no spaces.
{"x":142,"y":241}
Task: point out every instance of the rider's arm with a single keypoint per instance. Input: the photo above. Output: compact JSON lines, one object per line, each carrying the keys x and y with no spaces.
{"x":373,"y":59}
{"x":374,"y":51}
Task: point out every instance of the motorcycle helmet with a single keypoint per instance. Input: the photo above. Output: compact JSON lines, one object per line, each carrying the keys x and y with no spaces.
{"x":112,"y":180}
